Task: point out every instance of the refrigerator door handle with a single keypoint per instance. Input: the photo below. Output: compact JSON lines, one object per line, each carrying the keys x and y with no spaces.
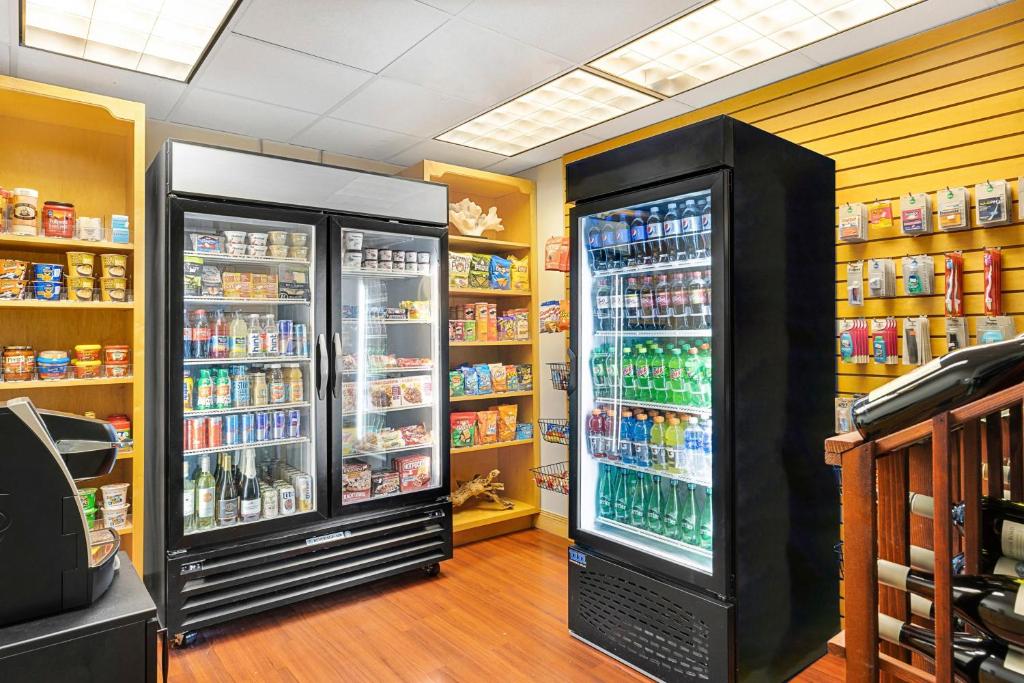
{"x":571,"y":384}
{"x":337,"y":364}
{"x":321,"y":366}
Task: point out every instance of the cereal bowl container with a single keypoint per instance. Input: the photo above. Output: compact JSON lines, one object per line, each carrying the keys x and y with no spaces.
{"x":80,"y":288}
{"x":81,"y":264}
{"x":48,"y":272}
{"x":114,"y":265}
{"x":46,"y":290}
{"x":113,"y":289}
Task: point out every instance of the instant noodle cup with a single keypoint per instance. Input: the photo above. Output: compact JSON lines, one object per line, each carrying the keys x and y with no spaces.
{"x":46,"y":290}
{"x":114,"y":495}
{"x":81,"y":264}
{"x":113,"y":289}
{"x":87,"y":352}
{"x":114,"y":265}
{"x":81,"y":288}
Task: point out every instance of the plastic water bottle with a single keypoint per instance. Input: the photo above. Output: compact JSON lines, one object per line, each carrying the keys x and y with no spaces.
{"x":692,"y":453}
{"x":707,"y":451}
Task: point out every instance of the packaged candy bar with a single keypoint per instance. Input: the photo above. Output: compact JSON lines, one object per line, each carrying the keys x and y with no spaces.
{"x":993,"y":280}
{"x":853,"y":222}
{"x":915,"y":214}
{"x":500,"y":273}
{"x":954,"y":284}
{"x":520,"y":273}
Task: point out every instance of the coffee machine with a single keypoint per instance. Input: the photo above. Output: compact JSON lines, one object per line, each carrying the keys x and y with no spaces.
{"x":50,"y":561}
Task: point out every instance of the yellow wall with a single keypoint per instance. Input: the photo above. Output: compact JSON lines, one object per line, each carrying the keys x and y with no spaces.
{"x":941,"y":108}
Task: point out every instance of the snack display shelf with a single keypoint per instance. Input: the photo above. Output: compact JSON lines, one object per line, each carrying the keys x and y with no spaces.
{"x":492,"y":396}
{"x":41,"y":243}
{"x":245,"y":409}
{"x":652,"y":334}
{"x":243,"y":302}
{"x":66,"y":303}
{"x":473,"y":517}
{"x":393,"y":409}
{"x":484,"y":245}
{"x":247,"y":360}
{"x":384,"y":371}
{"x":389,"y":451}
{"x":469,"y":291}
{"x":669,"y":407}
{"x":383,"y":274}
{"x":60,"y":383}
{"x":657,"y":267}
{"x":492,"y":446}
{"x":525,"y":342}
{"x":679,"y":476}
{"x":696,"y":550}
{"x":242,"y":446}
{"x":228,"y":258}
{"x":383,"y":321}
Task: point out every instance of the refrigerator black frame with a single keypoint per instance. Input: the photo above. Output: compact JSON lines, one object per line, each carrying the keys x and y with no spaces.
{"x":335,"y":247}
{"x":720,"y":581}
{"x":177,"y":206}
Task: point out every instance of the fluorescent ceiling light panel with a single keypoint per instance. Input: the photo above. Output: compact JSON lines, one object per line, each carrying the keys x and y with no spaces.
{"x":725,"y":36}
{"x":566,"y":105}
{"x":161,"y":37}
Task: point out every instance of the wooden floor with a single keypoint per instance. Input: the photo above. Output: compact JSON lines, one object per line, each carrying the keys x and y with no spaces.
{"x":496,"y":613}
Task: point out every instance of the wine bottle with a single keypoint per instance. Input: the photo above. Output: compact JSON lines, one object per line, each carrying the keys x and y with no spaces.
{"x":227,"y":494}
{"x":1002,"y":525}
{"x":945,"y":383}
{"x":205,"y":495}
{"x":976,"y":659}
{"x":924,"y":559}
{"x":188,"y":499}
{"x":988,"y":602}
{"x":251,"y":501}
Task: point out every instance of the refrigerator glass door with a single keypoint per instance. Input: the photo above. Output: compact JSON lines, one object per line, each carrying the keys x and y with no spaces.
{"x":250,"y":410}
{"x":644,"y":395}
{"x":387,"y":358}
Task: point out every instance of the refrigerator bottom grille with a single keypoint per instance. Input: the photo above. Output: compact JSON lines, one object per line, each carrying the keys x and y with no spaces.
{"x":669,"y":633}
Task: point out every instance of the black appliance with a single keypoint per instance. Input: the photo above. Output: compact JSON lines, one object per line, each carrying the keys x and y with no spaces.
{"x":354,"y":442}
{"x":727,"y":325}
{"x":53,"y":561}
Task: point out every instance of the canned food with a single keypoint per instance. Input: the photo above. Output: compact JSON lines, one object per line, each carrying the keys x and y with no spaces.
{"x":248,"y":427}
{"x":269,"y":496}
{"x":278,"y":424}
{"x":294,"y":424}
{"x":214,"y":431}
{"x":262,"y":426}
{"x":301,"y":340}
{"x":286,"y":499}
{"x":232,"y":430}
{"x":285,"y":337}
{"x":303,"y":485}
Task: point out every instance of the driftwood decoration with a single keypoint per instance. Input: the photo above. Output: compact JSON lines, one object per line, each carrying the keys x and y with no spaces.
{"x":480,"y":485}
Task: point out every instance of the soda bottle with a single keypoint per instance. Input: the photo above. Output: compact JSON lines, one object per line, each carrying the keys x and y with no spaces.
{"x":602,"y":305}
{"x":187,"y":337}
{"x":692,"y":369}
{"x":691,"y":228}
{"x":659,"y":377}
{"x":705,"y":531}
{"x":628,"y":374}
{"x":631,"y":304}
{"x":659,"y":460}
{"x":616,"y":312}
{"x":688,"y":516}
{"x":676,"y":379}
{"x":622,"y":244}
{"x":671,"y":514}
{"x":672,"y":229}
{"x":204,"y":390}
{"x":637,"y":501}
{"x":707,"y":450}
{"x":620,"y":499}
{"x":662,"y":304}
{"x":654,"y":238}
{"x":674,"y":442}
{"x":595,"y":434}
{"x":597,"y":371}
{"x":594,"y":252}
{"x":606,"y":493}
{"x":608,"y":244}
{"x":637,"y":240}
{"x":655,"y":519}
{"x":704,"y":246}
{"x":679,"y":299}
{"x":219,"y":336}
{"x":700,"y":304}
{"x":626,"y":437}
{"x":647,"y":317}
{"x":643,"y":374}
{"x":704,"y":399}
{"x":642,"y":441}
{"x":611,"y":371}
{"x":200,"y":336}
{"x":238,"y":334}
{"x":222,"y":390}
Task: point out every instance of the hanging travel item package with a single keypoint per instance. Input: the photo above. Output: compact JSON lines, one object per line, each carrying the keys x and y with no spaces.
{"x":853,"y":341}
{"x":954,"y":209}
{"x":844,"y":414}
{"x":880,"y":215}
{"x":993,"y":202}
{"x":956,"y":334}
{"x":918,"y":275}
{"x":855,"y":283}
{"x":917,"y":346}
{"x":884,"y":347}
{"x":993,"y":329}
{"x":993,"y":281}
{"x":853,"y":222}
{"x":881,"y":277}
{"x":915,"y":214}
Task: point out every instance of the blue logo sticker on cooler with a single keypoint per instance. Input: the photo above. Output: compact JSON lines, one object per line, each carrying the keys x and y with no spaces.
{"x":577,"y":557}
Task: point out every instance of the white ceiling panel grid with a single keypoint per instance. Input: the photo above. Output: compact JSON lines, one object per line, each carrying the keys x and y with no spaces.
{"x":366,"y":34}
{"x":404,"y":107}
{"x":209,"y":109}
{"x":437,"y":150}
{"x":743,"y":81}
{"x":277,"y":75}
{"x":354,"y":139}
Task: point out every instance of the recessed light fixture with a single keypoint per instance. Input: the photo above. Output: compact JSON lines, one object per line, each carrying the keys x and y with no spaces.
{"x":568,"y":104}
{"x":161,"y":37}
{"x":725,"y":36}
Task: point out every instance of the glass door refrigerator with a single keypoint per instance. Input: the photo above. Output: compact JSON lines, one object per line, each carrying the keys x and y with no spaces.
{"x":702,"y":353}
{"x":302,"y":451}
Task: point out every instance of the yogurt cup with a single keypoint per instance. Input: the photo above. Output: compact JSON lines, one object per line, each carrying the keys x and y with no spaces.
{"x":277,"y":251}
{"x":353,"y":259}
{"x":299,"y":252}
{"x":114,"y":495}
{"x":258,"y":239}
{"x":115,"y":517}
{"x":277,"y":237}
{"x":353,"y":241}
{"x":235,"y":249}
{"x":80,"y":264}
{"x":298,"y":239}
{"x":234,"y":237}
{"x":257,"y":250}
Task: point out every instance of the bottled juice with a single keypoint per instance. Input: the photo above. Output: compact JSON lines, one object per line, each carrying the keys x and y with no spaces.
{"x":642,"y":441}
{"x":643,"y":374}
{"x":219,"y":336}
{"x":626,"y":437}
{"x":238,"y":334}
{"x":674,"y":445}
{"x":659,"y":460}
{"x":659,"y":377}
{"x":222,"y":390}
{"x":204,"y":390}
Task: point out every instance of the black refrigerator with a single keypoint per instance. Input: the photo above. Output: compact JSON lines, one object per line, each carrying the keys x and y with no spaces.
{"x":295,"y":417}
{"x":703,"y":373}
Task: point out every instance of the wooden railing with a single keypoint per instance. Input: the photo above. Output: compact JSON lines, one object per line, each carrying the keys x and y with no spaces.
{"x":943,"y":457}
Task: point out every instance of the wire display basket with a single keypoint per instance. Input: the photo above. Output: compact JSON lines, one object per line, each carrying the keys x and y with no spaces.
{"x":560,"y":376}
{"x":555,"y":431}
{"x":553,"y":477}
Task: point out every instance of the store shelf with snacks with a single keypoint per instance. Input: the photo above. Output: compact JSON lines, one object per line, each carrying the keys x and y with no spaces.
{"x":515,"y":202}
{"x":87,"y":150}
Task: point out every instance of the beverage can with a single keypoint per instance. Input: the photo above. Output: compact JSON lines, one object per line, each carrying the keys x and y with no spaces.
{"x":286,"y":499}
{"x":301,"y":340}
{"x":278,"y":424}
{"x":232,"y":430}
{"x":248,"y":427}
{"x":214,"y":431}
{"x":270,"y":502}
{"x":262,"y":426}
{"x":303,"y":485}
{"x":198,"y":428}
{"x":285,"y":331}
{"x":294,"y":424}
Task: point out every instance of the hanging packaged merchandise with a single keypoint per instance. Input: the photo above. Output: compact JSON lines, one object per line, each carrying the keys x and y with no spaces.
{"x":993,"y":329}
{"x":880,"y":215}
{"x":917,"y":345}
{"x":844,"y":414}
{"x":993,"y":203}
{"x":853,"y":222}
{"x":956,"y":334}
{"x":884,"y":347}
{"x":954,"y":209}
{"x":855,"y":283}
{"x":853,"y":341}
{"x":915,"y":213}
{"x":993,"y":269}
{"x":918,"y":275}
{"x":954,"y":284}
{"x":881,"y":277}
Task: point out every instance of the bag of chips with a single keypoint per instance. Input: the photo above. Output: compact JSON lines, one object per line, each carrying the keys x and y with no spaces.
{"x":458,"y":270}
{"x":463,"y":429}
{"x":470,"y":380}
{"x":525,"y":377}
{"x":511,"y":378}
{"x":507,"y":422}
{"x":456,"y":384}
{"x":520,"y":273}
{"x":498,"y":377}
{"x":483,"y":375}
{"x":479,"y":271}
{"x":487,"y":426}
{"x":501,"y":270}
{"x":549,"y":316}
{"x":524,"y":430}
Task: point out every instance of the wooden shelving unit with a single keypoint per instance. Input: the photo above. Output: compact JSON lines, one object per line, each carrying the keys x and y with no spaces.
{"x":88,"y":150}
{"x":515,"y":199}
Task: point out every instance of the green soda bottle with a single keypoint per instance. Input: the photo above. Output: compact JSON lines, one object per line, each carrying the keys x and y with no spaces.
{"x":705,"y":532}
{"x":670,"y":516}
{"x":643,"y":374}
{"x":612,"y":372}
{"x":688,"y":517}
{"x":659,"y":376}
{"x":620,"y":502}
{"x":628,"y":374}
{"x":705,"y":371}
{"x":638,"y":506}
{"x":676,"y":379}
{"x":694,"y":377}
{"x":655,"y":521}
{"x":606,"y":493}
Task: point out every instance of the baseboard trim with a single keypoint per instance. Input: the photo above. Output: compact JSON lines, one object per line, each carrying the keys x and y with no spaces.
{"x":553,"y":524}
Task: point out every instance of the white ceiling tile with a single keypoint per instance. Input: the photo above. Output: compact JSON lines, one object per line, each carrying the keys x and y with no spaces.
{"x":511,"y":166}
{"x":659,"y":111}
{"x":746,"y":80}
{"x":553,"y":150}
{"x":474,"y":63}
{"x":578,"y":30}
{"x":277,"y":75}
{"x":208,"y":109}
{"x":445,"y":152}
{"x":158,"y":94}
{"x":366,"y":34}
{"x":346,"y":137}
{"x":449,"y":6}
{"x":405,"y":108}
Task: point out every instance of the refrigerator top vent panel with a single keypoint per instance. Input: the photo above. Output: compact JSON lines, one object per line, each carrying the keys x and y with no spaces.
{"x":218,"y":172}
